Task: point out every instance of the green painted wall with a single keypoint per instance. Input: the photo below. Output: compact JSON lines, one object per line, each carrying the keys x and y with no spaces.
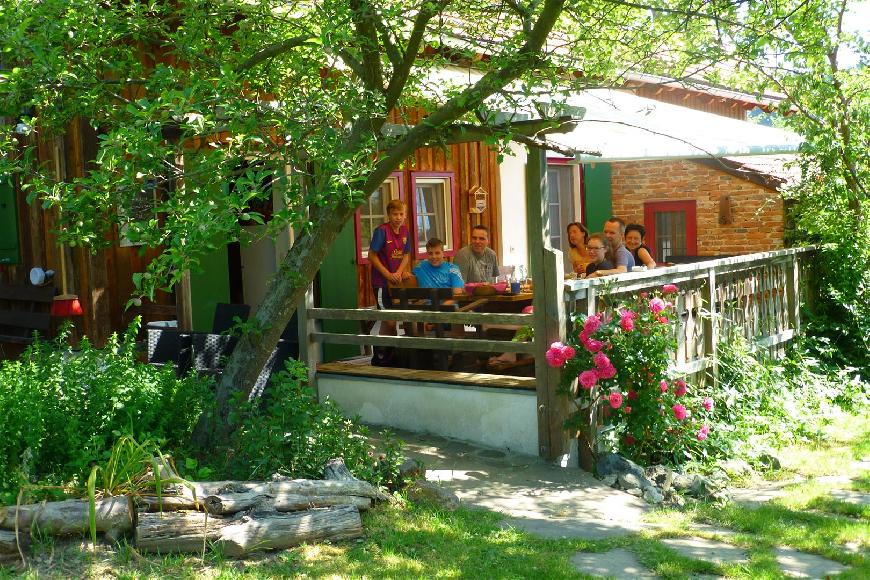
{"x":597,"y":199}
{"x":209,"y":287}
{"x":9,"y":243}
{"x":338,"y":282}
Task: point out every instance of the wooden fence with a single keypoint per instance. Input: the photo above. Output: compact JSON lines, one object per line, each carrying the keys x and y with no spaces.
{"x":756,"y":295}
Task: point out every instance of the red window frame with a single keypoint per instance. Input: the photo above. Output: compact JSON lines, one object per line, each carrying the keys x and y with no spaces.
{"x":361,"y":258}
{"x":412,"y":211}
{"x":689,"y":206}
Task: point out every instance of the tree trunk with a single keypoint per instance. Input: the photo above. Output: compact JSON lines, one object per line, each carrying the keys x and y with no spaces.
{"x":9,"y":545}
{"x":286,"y":289}
{"x":284,"y":502}
{"x":238,"y":536}
{"x":302,"y":487}
{"x":114,"y":516}
{"x":336,"y":470}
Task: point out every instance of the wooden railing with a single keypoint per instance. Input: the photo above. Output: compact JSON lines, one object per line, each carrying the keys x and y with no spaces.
{"x":757,"y":296}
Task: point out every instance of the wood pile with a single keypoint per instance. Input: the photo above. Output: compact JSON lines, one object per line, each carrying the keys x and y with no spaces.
{"x":239,"y":516}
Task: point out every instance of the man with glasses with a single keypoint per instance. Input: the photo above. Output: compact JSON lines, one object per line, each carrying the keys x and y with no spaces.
{"x":620,"y":258}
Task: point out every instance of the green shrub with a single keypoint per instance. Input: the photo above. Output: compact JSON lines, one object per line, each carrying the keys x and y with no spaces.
{"x":290,"y":433}
{"x":63,"y":409}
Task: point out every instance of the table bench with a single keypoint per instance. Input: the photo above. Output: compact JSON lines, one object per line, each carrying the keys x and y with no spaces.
{"x":23,"y":311}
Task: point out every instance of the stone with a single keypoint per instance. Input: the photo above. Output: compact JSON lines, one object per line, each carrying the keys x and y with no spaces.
{"x":608,"y":480}
{"x":661,"y":476}
{"x":736,"y":467}
{"x":798,"y":564}
{"x":707,"y":550}
{"x":618,"y":563}
{"x":682,"y":481}
{"x":768,"y":461}
{"x":653,"y":495}
{"x":423,"y":490}
{"x":609,"y":463}
{"x":411,"y":469}
{"x":634,"y":491}
{"x":629,"y":480}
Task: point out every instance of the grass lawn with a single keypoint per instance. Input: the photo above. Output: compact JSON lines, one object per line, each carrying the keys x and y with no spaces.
{"x":424,"y":540}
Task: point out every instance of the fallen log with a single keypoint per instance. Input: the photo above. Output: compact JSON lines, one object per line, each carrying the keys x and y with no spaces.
{"x":231,"y":503}
{"x":9,"y":545}
{"x":186,"y":532}
{"x":167,"y":503}
{"x":114,"y":516}
{"x":336,"y":470}
{"x":309,"y":487}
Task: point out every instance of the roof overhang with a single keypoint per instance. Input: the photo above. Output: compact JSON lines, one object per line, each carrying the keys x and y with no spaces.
{"x":624,"y":127}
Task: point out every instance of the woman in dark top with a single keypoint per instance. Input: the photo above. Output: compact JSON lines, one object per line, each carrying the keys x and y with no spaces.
{"x":597,"y":250}
{"x":634,"y":235}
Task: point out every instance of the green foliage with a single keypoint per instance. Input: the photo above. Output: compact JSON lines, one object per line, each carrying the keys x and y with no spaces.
{"x":63,"y":409}
{"x":620,"y":362}
{"x":765,"y":403}
{"x":290,"y":433}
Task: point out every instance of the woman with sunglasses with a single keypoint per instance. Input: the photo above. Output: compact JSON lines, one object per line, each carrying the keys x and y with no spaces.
{"x":598,"y":255}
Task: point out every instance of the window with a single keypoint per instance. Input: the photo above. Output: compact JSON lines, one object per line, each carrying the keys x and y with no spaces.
{"x":373,"y":213}
{"x":563,"y":185}
{"x":433,"y":211}
{"x":671,"y":228}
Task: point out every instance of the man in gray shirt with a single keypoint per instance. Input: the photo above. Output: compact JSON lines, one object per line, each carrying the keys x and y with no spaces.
{"x":614,"y":230}
{"x":477,"y":262}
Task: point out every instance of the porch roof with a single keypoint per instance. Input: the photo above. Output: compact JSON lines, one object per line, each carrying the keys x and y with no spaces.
{"x":625,"y":127}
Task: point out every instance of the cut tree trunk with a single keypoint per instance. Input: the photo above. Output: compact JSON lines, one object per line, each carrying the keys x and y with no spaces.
{"x":114,"y":516}
{"x":336,"y":470}
{"x":187,"y":532}
{"x":282,"y":502}
{"x":309,"y":487}
{"x":9,"y":545}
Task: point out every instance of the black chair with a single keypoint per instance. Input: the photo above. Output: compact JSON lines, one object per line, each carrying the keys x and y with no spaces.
{"x":225,"y":314}
{"x":210,"y":351}
{"x":428,"y":299}
{"x":169,"y":346}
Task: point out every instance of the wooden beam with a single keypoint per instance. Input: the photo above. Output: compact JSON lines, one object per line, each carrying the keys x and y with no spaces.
{"x":446,"y":344}
{"x":419,"y":316}
{"x":430,"y":376}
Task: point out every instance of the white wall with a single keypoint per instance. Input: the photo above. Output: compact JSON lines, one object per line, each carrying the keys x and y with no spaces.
{"x":512,"y":219}
{"x":500,"y":418}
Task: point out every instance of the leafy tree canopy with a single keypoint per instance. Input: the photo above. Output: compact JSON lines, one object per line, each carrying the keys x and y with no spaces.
{"x":189,"y":96}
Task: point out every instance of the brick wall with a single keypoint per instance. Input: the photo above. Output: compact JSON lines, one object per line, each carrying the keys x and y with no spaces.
{"x":757,"y":212}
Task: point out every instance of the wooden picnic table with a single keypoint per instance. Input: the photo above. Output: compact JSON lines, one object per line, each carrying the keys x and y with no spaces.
{"x":498,"y":302}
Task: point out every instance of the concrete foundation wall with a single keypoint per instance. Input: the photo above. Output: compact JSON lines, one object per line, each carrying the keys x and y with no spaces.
{"x":500,"y":418}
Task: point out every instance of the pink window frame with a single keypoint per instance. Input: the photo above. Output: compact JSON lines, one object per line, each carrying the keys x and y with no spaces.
{"x":357,"y":226}
{"x":412,"y":207}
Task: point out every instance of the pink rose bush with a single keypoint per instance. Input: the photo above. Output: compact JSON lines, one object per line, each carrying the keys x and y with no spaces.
{"x":609,"y":359}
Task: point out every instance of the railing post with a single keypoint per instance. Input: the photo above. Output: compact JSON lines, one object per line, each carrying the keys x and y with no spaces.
{"x":711,"y":327}
{"x":309,"y":350}
{"x":549,"y":307}
{"x":793,"y":286}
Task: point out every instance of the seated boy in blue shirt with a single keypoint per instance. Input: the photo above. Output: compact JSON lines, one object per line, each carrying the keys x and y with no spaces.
{"x":435,"y":272}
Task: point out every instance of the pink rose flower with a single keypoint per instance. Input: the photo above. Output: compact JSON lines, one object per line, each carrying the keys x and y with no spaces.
{"x":680,"y":388}
{"x":627,"y":410}
{"x":568,"y":352}
{"x":707,"y":403}
{"x":669,"y":288}
{"x":662,"y":319}
{"x":607,"y":372}
{"x":592,"y":324}
{"x":600,"y":360}
{"x":629,"y":440}
{"x":588,"y":379}
{"x":644,"y":294}
{"x":593,"y":345}
{"x":554,"y":355}
{"x":656,"y":305}
{"x":663,"y":385}
{"x":615,"y":400}
{"x":626,"y":323}
{"x":703,"y":432}
{"x":632,"y":395}
{"x":679,"y":412}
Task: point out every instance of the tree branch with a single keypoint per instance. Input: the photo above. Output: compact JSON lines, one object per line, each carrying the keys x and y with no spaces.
{"x":364,"y":18}
{"x":415,"y":40}
{"x":271,"y":51}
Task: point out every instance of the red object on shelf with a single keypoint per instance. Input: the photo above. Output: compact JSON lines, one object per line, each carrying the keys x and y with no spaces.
{"x":66,"y":305}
